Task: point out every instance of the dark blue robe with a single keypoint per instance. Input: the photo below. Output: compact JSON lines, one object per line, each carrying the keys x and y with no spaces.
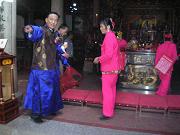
{"x":43,"y":91}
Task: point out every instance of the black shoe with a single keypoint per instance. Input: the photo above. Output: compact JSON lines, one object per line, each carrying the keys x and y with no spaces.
{"x":53,"y":114}
{"x":104,"y":117}
{"x":56,"y":113}
{"x":37,"y":119}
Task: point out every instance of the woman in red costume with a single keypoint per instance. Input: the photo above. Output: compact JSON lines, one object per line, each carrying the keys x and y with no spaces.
{"x":168,"y":48}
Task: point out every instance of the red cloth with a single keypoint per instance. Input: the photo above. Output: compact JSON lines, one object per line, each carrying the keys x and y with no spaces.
{"x":94,"y":97}
{"x":173,"y":101}
{"x":75,"y":95}
{"x":70,"y":78}
{"x":122,"y":44}
{"x":153,"y":101}
{"x":127,"y":99}
{"x":122,"y":60}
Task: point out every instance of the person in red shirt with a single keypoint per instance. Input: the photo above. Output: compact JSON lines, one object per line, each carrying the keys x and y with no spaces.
{"x":168,"y":48}
{"x":110,"y":67}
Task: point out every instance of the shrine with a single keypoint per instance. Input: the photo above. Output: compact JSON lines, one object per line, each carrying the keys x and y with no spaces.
{"x":9,"y":108}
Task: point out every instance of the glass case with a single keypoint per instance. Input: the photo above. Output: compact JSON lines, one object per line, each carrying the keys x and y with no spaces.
{"x":6,"y":77}
{"x":140,"y":72}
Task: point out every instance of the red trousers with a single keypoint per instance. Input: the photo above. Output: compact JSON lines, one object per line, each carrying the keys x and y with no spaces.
{"x":164,"y":85}
{"x":109,"y":93}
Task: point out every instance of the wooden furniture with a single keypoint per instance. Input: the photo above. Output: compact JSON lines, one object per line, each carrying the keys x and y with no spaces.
{"x":9,"y":108}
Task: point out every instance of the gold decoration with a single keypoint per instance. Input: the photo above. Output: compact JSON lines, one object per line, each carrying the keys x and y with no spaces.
{"x":40,"y":64}
{"x":45,"y":69}
{"x":43,"y":41}
{"x":6,"y":62}
{"x":38,"y":49}
{"x":44,"y":56}
{"x":119,"y":35}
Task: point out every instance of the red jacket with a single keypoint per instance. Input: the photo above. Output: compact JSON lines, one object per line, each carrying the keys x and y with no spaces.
{"x":169,"y":49}
{"x":110,"y":57}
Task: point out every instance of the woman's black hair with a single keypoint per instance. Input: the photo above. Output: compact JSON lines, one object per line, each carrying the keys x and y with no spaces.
{"x":167,"y":39}
{"x":106,"y":22}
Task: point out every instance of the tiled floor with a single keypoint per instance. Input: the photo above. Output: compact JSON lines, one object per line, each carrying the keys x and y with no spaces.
{"x":23,"y":125}
{"x":123,"y":120}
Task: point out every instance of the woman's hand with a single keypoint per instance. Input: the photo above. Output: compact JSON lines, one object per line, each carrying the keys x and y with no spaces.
{"x":56,"y":40}
{"x":65,"y":45}
{"x":96,"y":60}
{"x":66,"y":55}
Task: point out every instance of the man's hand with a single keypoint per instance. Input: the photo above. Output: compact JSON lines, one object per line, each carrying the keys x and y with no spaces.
{"x":65,"y":45}
{"x":96,"y":60}
{"x":28,"y":29}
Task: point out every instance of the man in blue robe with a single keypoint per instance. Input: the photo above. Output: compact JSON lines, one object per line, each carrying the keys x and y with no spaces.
{"x":43,"y":91}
